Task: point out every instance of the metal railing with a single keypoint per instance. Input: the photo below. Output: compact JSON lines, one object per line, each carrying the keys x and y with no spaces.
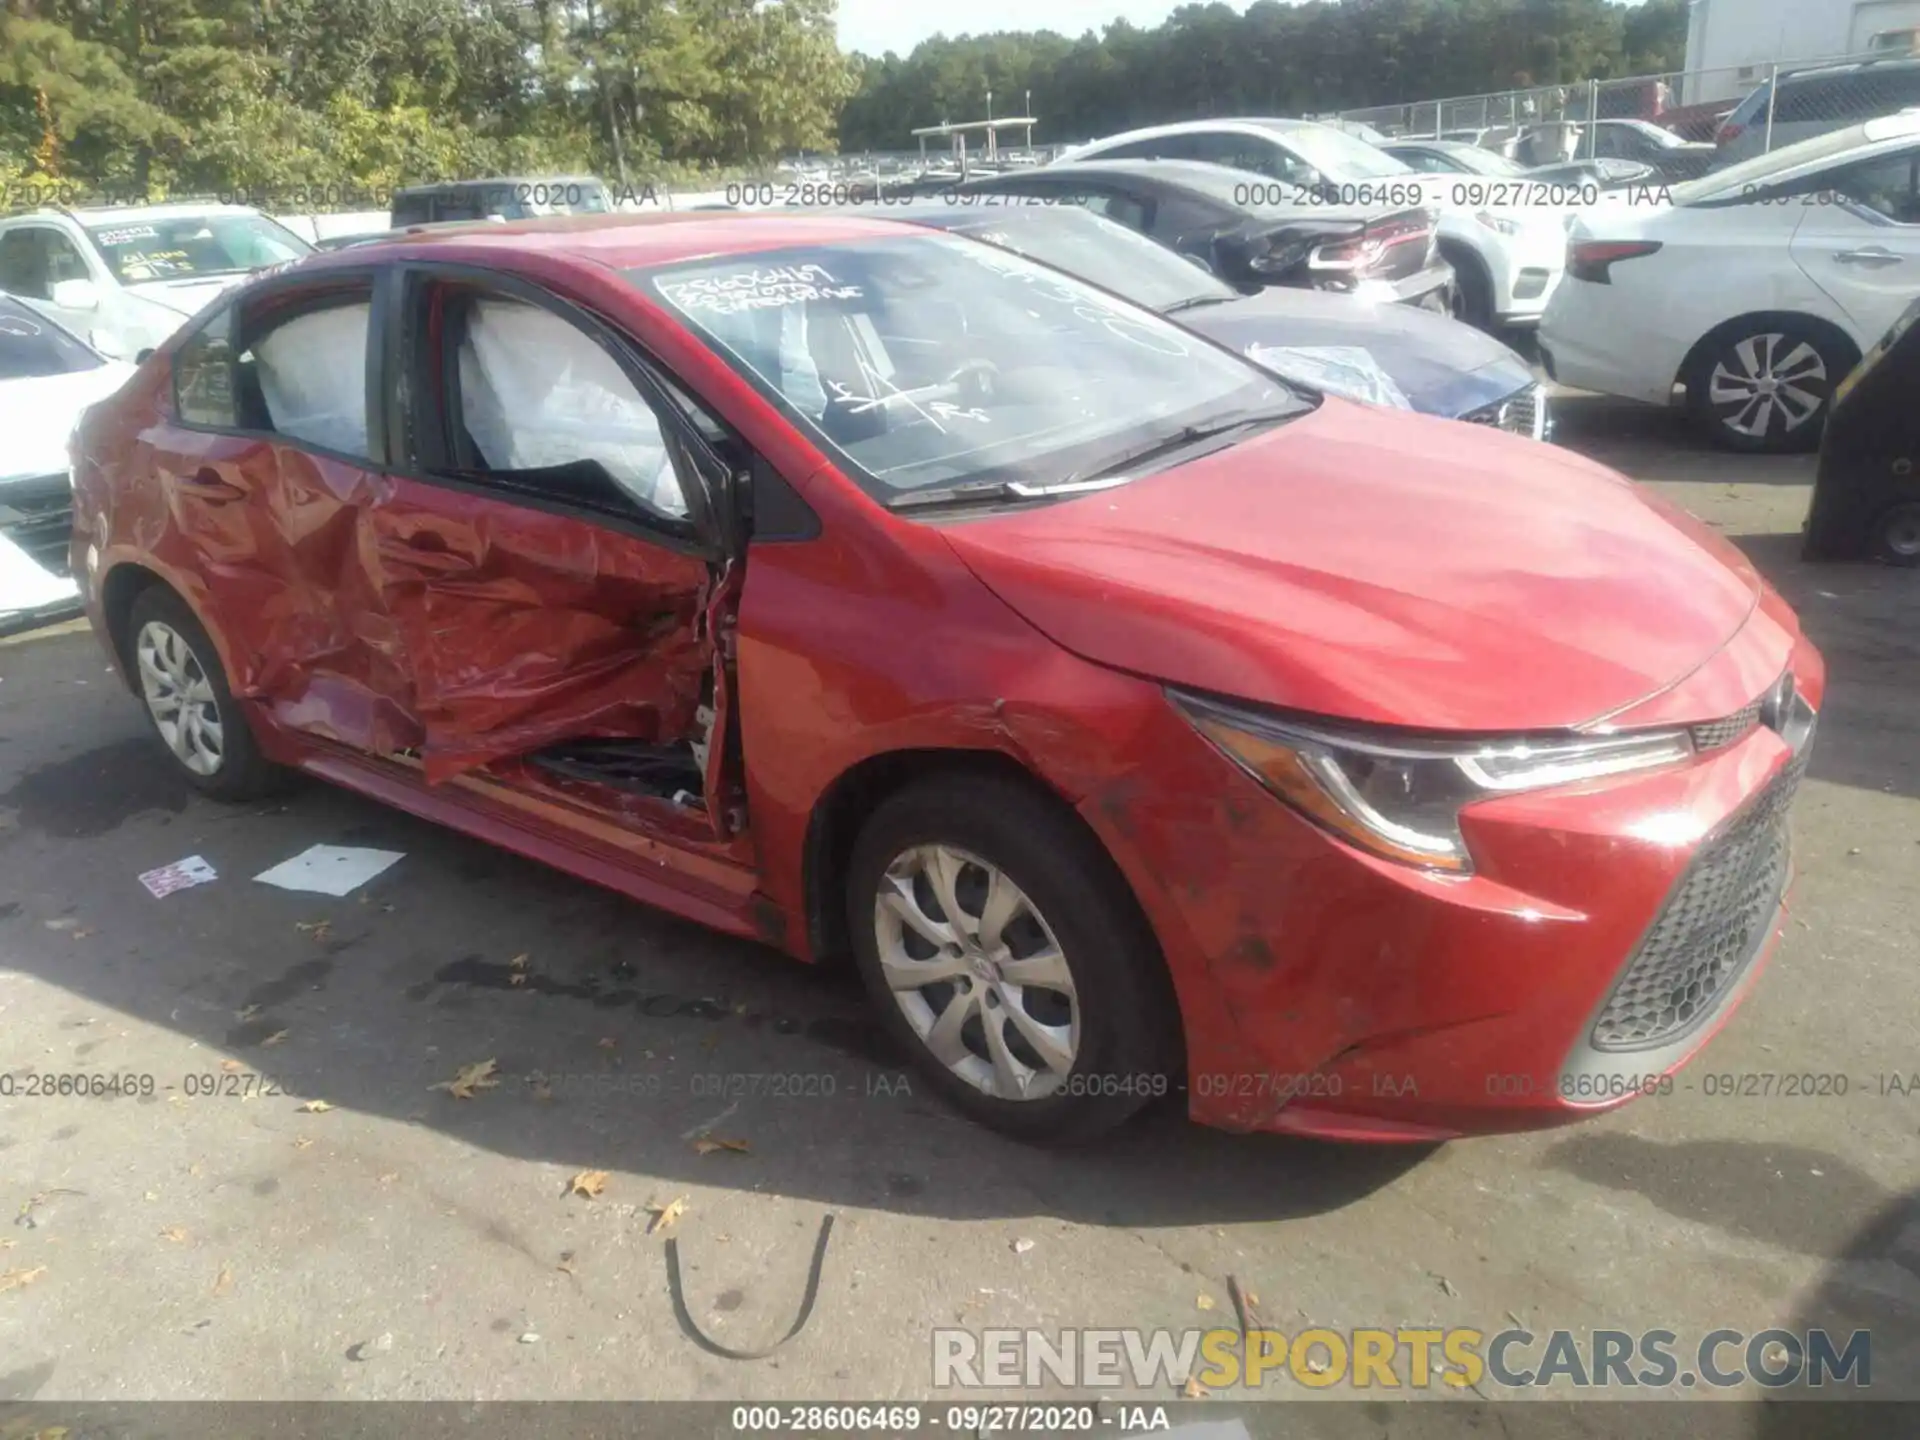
{"x":1742,"y":110}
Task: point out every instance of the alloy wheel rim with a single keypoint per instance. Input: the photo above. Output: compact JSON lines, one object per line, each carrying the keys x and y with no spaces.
{"x":180,"y":698}
{"x":977,"y":972}
{"x":1903,"y":532}
{"x":1768,"y":377}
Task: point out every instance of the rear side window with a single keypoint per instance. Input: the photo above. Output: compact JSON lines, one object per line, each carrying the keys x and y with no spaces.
{"x":1889,"y":186}
{"x":299,"y":375}
{"x":203,"y":376}
{"x":32,"y":346}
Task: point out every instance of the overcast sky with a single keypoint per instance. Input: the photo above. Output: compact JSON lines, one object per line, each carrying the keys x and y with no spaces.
{"x":877,"y":26}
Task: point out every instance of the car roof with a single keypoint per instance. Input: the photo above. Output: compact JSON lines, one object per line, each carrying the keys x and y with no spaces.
{"x":1198,"y":175}
{"x":436,"y":187}
{"x":1241,"y":124}
{"x":1431,"y":144}
{"x":125,"y":214}
{"x":616,"y":241}
{"x":1851,"y":70}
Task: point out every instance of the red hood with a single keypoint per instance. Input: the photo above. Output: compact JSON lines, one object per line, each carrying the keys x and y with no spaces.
{"x":1379,"y":566}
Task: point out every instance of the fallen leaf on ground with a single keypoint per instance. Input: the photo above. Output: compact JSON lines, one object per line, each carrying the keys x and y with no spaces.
{"x":83,"y":931}
{"x":607,"y":1042}
{"x":477,"y":1076}
{"x":519,"y":962}
{"x":565,"y":1267}
{"x":194,"y":1169}
{"x":232,"y":1067}
{"x":301,"y":1142}
{"x":1194,"y":1390}
{"x":252,"y":1012}
{"x":389,"y":1177}
{"x":665,"y":1215}
{"x":8,"y":1244}
{"x":319,"y":929}
{"x":1205,"y":1302}
{"x":315,"y":1107}
{"x":176,"y":1099}
{"x":543,"y":1092}
{"x":173,"y":1233}
{"x":20,"y":1279}
{"x":275,"y":1038}
{"x":223,"y":1282}
{"x":518,"y":978}
{"x":1020,"y":1247}
{"x":705,"y":1146}
{"x":588,"y":1183}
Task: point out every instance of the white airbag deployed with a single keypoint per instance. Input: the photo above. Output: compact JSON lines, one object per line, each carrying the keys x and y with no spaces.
{"x":537,"y":392}
{"x":313,"y":376}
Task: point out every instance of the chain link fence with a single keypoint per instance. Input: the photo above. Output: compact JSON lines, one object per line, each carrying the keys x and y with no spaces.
{"x":1740,"y":111}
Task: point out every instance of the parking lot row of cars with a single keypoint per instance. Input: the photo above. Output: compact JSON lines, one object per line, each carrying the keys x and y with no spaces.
{"x":1751,"y":292}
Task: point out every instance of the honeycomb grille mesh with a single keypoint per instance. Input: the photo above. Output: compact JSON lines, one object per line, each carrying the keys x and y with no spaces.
{"x":1709,"y":929}
{"x":1716,"y":733}
{"x":1518,"y":414}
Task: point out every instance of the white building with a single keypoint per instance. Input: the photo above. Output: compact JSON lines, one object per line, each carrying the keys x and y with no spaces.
{"x":1732,"y":45}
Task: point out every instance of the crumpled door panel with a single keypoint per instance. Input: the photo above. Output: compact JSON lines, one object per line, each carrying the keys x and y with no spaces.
{"x":273,"y":534}
{"x":526,"y":628}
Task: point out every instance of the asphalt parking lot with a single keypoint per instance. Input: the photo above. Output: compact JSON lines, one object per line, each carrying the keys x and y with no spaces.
{"x":405,"y":1242}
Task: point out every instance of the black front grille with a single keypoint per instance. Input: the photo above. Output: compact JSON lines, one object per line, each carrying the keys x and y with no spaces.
{"x":1714,"y":734}
{"x":37,"y":515}
{"x":1518,"y":414}
{"x":1709,"y":930}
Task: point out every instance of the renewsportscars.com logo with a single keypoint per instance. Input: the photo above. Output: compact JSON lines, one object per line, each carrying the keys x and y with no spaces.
{"x":1400,"y":1358}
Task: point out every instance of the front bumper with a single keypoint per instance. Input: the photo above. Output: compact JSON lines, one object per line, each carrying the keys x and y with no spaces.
{"x":36,"y":526}
{"x":1427,"y":289}
{"x":1332,"y":994}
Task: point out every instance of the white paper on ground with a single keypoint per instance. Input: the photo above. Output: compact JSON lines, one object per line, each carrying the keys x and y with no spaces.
{"x":180,"y":875}
{"x":330,"y":869}
{"x":23,"y":584}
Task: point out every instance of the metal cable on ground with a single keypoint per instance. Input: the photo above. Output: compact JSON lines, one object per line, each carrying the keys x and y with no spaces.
{"x":706,"y":1342}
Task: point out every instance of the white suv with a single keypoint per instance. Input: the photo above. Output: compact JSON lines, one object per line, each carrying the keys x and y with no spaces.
{"x":1506,"y":258}
{"x":123,"y":279}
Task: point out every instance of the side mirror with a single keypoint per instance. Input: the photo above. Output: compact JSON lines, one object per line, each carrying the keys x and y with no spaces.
{"x":75,"y":295}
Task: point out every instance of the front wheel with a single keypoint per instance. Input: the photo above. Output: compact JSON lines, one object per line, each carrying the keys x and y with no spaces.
{"x":1766,"y":388}
{"x":1006,"y":954}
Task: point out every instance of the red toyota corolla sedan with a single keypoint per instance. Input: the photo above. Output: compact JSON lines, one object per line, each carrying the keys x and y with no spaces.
{"x":1136,"y":722}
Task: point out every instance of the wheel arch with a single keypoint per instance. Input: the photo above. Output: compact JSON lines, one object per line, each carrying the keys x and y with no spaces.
{"x":119,"y":589}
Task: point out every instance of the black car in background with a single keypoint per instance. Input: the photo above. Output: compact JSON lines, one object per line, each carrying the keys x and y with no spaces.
{"x":1249,"y":230}
{"x":1866,"y":496}
{"x":503,"y":197}
{"x":1645,"y":143}
{"x":1394,"y":355}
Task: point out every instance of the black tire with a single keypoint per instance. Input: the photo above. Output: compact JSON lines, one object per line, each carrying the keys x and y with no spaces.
{"x":1896,"y":534}
{"x":1127,"y":1015}
{"x":1813,"y":356}
{"x":242,"y":772}
{"x":1472,"y":289}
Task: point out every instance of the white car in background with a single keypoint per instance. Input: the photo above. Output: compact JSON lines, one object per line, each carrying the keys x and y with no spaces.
{"x":1757,"y":290}
{"x":1507,"y":258}
{"x":124,"y":278}
{"x":47,"y":380}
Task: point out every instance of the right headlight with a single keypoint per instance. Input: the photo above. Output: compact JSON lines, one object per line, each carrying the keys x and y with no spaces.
{"x":1402,"y":799}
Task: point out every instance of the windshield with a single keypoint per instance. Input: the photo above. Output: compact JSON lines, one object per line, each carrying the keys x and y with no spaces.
{"x":139,"y":249}
{"x":1112,"y":256}
{"x":929,"y":361}
{"x":1341,"y":157}
{"x":32,"y":345}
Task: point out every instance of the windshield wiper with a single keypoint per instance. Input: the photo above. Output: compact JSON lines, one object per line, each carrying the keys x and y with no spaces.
{"x":1194,"y":302}
{"x":1181,"y":440}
